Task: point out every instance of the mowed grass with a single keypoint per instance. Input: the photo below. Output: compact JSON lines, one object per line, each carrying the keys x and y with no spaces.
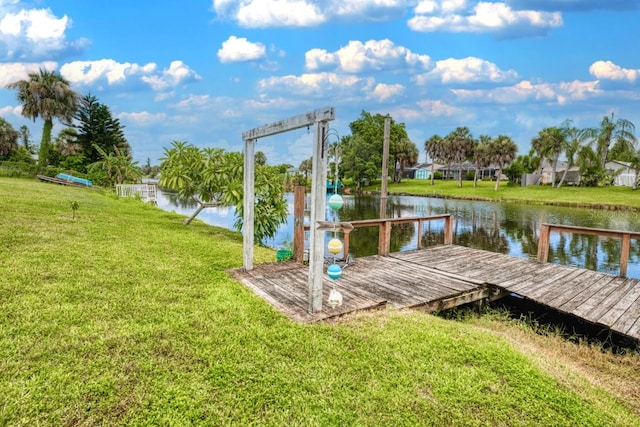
{"x":123,"y":316}
{"x":611,"y":197}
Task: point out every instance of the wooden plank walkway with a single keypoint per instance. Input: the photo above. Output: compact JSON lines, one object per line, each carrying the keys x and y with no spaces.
{"x":444,"y":276}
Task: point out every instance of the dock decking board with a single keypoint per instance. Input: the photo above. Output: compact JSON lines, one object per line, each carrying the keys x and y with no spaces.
{"x":446,"y":275}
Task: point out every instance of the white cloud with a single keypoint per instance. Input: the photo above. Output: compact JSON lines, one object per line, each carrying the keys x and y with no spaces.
{"x":466,"y":70}
{"x":607,"y":70}
{"x":143,"y":118}
{"x":281,"y":13}
{"x":11,"y":111}
{"x":177,"y":74}
{"x":373,"y":55}
{"x":525,"y":91}
{"x":320,"y":84}
{"x":92,"y":72}
{"x":89,"y":72}
{"x":194,"y":102}
{"x":438,"y":108}
{"x":14,"y":71}
{"x":426,"y":7}
{"x":239,"y":49}
{"x":383,"y":92}
{"x":498,"y":17}
{"x":34,"y":34}
{"x":306,"y":13}
{"x":366,"y":10}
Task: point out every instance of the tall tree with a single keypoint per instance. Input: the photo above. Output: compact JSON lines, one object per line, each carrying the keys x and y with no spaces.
{"x":48,"y":95}
{"x":362,"y":151}
{"x":97,"y":127}
{"x":621,"y":132}
{"x":406,"y":154}
{"x":212,"y":176}
{"x":305,"y":167}
{"x":480,"y":156}
{"x":25,"y":139}
{"x":592,"y":174}
{"x":260,"y":158}
{"x":433,"y":148}
{"x":550,"y":143}
{"x":574,"y":138}
{"x":461,"y":145}
{"x":502,"y":150}
{"x":8,"y":139}
{"x":635,"y":166}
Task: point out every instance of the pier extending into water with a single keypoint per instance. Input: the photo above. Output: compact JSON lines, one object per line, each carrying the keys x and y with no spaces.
{"x":446,"y":276}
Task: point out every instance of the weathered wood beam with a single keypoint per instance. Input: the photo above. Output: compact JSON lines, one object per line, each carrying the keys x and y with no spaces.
{"x":318,"y":208}
{"x":458,"y":300}
{"x":295,"y":122}
{"x":248,"y":201}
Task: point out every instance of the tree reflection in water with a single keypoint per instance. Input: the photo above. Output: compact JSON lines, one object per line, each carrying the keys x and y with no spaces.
{"x":509,"y":228}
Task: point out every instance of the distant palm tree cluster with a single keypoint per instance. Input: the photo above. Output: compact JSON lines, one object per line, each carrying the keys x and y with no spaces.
{"x":459,"y":146}
{"x":586,"y":150}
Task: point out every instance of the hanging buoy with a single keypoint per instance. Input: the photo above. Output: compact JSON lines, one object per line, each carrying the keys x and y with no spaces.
{"x":334,"y":271}
{"x":334,"y":246}
{"x":336,"y":201}
{"x":335,"y":298}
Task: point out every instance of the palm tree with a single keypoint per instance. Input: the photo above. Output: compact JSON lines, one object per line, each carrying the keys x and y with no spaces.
{"x":8,"y":138}
{"x":620,"y":131}
{"x":502,"y":150}
{"x":406,"y":154}
{"x":591,"y":173}
{"x":433,"y":148}
{"x":550,"y":143}
{"x":46,"y":94}
{"x":574,"y":138}
{"x":117,"y":166}
{"x":635,"y":166}
{"x":461,"y":146}
{"x":480,"y":156}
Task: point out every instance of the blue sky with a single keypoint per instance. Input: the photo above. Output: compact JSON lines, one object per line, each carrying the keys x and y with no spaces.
{"x":205,"y":71}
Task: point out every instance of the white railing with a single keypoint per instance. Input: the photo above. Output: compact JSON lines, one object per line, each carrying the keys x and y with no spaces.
{"x":146,"y":192}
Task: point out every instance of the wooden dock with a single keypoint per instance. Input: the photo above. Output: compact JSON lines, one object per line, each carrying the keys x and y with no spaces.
{"x":445,"y":276}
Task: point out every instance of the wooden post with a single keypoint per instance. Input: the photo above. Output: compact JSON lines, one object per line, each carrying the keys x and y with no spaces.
{"x":345,"y":244}
{"x":543,"y":243}
{"x":624,"y":254}
{"x":318,"y":206}
{"x":385,"y":167}
{"x":248,"y":201}
{"x":448,"y":230}
{"x":384,"y":240}
{"x":298,"y":224}
{"x":420,"y":223}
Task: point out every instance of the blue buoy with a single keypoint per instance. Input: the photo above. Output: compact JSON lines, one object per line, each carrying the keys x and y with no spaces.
{"x":334,"y":271}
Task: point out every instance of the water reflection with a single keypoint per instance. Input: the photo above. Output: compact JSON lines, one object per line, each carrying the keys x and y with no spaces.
{"x":509,"y":228}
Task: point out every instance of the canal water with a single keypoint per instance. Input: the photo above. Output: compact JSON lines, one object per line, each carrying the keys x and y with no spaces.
{"x":509,"y":228}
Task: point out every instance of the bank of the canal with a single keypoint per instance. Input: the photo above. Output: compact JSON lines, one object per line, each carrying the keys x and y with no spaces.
{"x":606,"y":198}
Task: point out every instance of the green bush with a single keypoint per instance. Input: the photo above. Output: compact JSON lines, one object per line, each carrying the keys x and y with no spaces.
{"x":17,"y":169}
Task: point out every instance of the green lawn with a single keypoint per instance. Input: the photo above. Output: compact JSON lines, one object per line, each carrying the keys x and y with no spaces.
{"x":597,"y":197}
{"x":123,"y":316}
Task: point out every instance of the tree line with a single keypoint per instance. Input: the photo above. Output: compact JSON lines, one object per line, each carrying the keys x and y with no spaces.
{"x":359,"y":155}
{"x":588,"y":149}
{"x":91,"y":144}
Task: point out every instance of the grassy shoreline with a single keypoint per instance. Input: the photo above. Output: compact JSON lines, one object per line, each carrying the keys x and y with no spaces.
{"x":611,"y":198}
{"x":123,"y":316}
